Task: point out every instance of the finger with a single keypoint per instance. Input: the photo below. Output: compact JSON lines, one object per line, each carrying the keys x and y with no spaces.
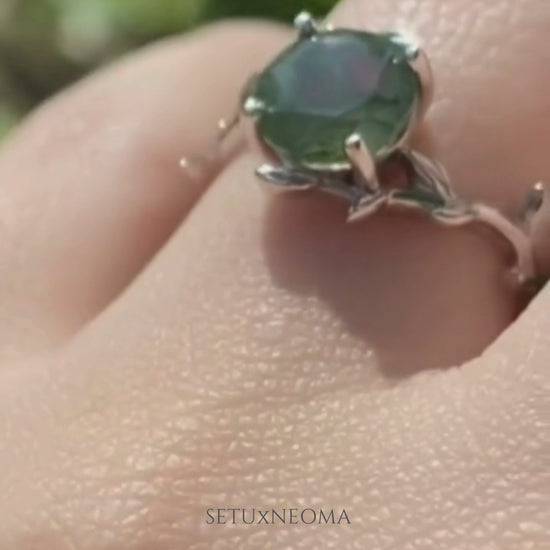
{"x":90,"y":185}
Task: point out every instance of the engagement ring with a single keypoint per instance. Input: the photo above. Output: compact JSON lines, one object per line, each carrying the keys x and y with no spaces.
{"x":334,"y":112}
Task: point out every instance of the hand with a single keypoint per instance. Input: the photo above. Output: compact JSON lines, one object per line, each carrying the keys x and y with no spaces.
{"x":268,"y":355}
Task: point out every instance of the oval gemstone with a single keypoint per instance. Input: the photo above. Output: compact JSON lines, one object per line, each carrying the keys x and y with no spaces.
{"x":322,"y":89}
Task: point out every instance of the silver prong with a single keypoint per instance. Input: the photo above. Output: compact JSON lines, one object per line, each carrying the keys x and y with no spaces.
{"x":408,"y":44}
{"x":422,"y":67}
{"x":363,"y":162}
{"x":306,"y":25}
{"x":419,"y":62}
{"x":252,"y":106}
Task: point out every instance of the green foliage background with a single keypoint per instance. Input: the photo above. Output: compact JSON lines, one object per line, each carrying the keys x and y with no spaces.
{"x":46,"y":44}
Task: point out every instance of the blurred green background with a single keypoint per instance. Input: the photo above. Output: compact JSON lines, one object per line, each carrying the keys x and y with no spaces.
{"x":46,"y":44}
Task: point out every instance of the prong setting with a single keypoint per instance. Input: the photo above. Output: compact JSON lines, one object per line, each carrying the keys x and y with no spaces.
{"x":363,"y":162}
{"x":407,"y":43}
{"x":420,"y":64}
{"x":306,"y":25}
{"x":252,"y":106}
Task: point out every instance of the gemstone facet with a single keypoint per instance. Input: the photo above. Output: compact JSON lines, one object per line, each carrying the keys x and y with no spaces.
{"x":326,"y":87}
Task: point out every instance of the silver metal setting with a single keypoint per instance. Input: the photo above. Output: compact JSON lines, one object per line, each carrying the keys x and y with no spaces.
{"x":363,"y":162}
{"x":360,"y":183}
{"x":306,"y":25}
{"x":422,"y":67}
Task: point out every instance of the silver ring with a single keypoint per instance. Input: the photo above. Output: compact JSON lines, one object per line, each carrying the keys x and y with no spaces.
{"x":334,"y":112}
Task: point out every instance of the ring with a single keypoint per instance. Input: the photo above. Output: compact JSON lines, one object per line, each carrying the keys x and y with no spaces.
{"x":334,"y":112}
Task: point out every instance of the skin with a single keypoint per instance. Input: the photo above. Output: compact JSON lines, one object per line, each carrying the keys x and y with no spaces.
{"x":170,"y":346}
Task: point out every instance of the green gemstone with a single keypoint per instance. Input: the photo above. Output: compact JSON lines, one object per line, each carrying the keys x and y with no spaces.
{"x":322,"y":89}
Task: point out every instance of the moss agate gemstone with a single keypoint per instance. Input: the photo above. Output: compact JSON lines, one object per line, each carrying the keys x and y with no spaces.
{"x":324,"y":88}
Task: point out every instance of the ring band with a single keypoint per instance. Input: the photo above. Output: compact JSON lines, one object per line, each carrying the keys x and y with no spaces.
{"x":334,"y":112}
